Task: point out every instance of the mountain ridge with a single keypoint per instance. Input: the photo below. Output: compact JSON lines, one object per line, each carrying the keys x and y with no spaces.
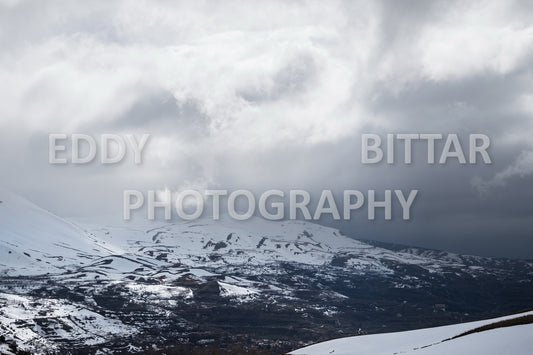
{"x":131,"y":286}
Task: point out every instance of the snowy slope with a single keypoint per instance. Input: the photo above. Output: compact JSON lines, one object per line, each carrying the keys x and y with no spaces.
{"x":253,"y":242}
{"x":35,"y":241}
{"x":39,"y":322}
{"x":108,"y":282}
{"x":257,"y":243}
{"x":432,"y":341}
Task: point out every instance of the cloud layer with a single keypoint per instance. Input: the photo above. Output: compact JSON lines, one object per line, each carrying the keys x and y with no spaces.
{"x":276,"y":94}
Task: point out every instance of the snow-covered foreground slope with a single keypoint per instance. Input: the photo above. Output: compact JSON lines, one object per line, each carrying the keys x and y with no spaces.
{"x":35,"y":241}
{"x":514,"y":340}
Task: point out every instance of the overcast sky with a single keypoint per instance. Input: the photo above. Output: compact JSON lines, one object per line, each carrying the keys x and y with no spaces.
{"x":262,"y":95}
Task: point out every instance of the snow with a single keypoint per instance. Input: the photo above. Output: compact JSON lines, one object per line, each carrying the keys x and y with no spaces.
{"x":430,"y":341}
{"x":33,"y":240}
{"x":146,"y":258}
{"x":18,"y":315}
{"x":4,"y":349}
{"x":253,"y":243}
{"x":510,"y":340}
{"x":160,"y":291}
{"x":229,"y":290}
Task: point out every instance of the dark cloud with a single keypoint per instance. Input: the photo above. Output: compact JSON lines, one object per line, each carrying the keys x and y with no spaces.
{"x":276,"y":95}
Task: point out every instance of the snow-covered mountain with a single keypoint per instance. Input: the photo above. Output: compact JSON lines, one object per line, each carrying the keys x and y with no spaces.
{"x":503,"y":335}
{"x":35,"y":241}
{"x":254,"y":244}
{"x":68,"y":285}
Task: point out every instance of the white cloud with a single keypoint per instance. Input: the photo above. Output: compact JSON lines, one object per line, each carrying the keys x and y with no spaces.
{"x":463,"y":50}
{"x":262,"y":89}
{"x":459,"y":41}
{"x":271,"y":82}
